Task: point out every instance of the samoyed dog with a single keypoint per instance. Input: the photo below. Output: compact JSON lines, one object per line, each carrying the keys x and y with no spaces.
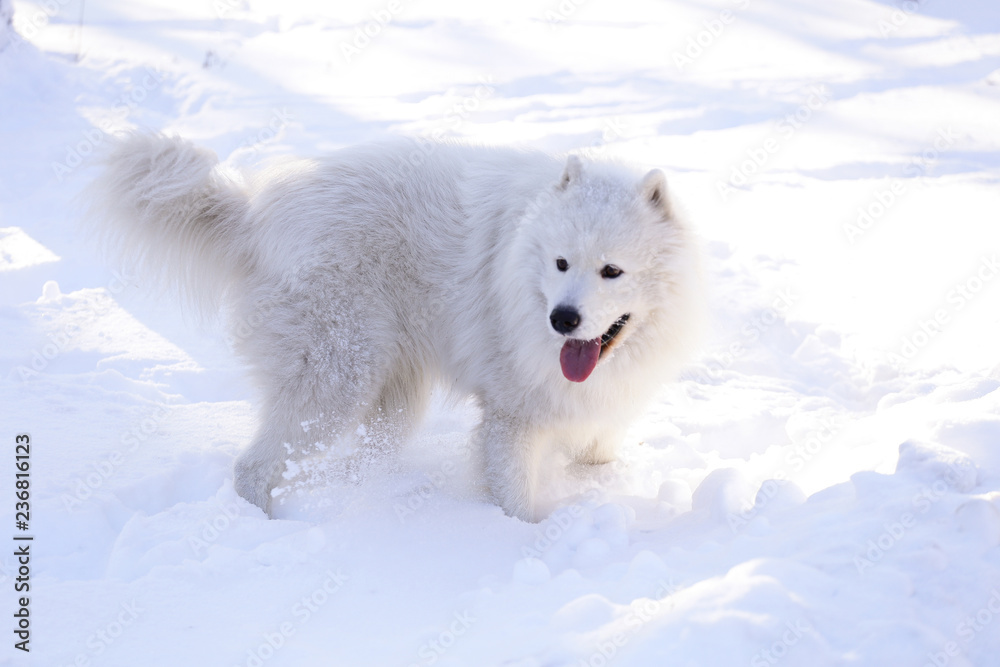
{"x":560,"y":292}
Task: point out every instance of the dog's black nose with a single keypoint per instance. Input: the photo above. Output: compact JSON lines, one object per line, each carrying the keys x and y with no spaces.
{"x":564,"y":319}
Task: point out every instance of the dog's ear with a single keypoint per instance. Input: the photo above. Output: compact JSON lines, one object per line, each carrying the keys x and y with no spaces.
{"x":654,"y":191}
{"x":574,"y":167}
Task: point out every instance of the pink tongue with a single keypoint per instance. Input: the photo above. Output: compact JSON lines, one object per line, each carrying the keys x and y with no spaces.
{"x":579,"y":357}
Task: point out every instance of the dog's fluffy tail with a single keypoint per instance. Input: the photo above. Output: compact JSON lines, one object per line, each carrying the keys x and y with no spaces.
{"x":169,"y":212}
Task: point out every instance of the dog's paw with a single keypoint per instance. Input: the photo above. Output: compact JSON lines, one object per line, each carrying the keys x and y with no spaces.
{"x":517,"y":505}
{"x":250,"y":486}
{"x":598,"y":452}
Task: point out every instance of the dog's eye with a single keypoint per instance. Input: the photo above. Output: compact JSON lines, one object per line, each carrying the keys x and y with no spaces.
{"x":610,"y":271}
{"x":562,"y":264}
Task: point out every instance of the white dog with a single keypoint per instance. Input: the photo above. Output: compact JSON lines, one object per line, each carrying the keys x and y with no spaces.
{"x":560,"y":293}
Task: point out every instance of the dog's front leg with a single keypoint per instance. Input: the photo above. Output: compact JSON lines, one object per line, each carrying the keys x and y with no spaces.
{"x":602,"y":449}
{"x":511,"y":451}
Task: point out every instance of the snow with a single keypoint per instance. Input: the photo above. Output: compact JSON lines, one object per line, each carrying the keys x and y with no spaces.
{"x":820,"y":487}
{"x":6,"y":15}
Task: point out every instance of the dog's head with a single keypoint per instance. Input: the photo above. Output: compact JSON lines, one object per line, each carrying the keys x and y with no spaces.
{"x":607,"y":251}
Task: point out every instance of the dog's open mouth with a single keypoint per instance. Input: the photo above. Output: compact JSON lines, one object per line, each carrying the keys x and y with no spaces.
{"x":578,"y":358}
{"x":608,"y":337}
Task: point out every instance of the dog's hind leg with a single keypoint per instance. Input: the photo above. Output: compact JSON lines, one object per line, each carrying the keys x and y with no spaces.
{"x":401,"y":402}
{"x":322,"y":366}
{"x":289,"y":427}
{"x":258,"y":469}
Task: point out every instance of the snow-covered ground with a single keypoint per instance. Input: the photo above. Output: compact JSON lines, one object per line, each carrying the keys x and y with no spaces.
{"x":820,"y":487}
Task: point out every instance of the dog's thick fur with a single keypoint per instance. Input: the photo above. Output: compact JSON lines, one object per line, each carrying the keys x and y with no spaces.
{"x":356,"y":281}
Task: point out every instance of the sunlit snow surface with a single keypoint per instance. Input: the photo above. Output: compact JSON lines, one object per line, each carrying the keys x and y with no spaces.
{"x":841,"y":161}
